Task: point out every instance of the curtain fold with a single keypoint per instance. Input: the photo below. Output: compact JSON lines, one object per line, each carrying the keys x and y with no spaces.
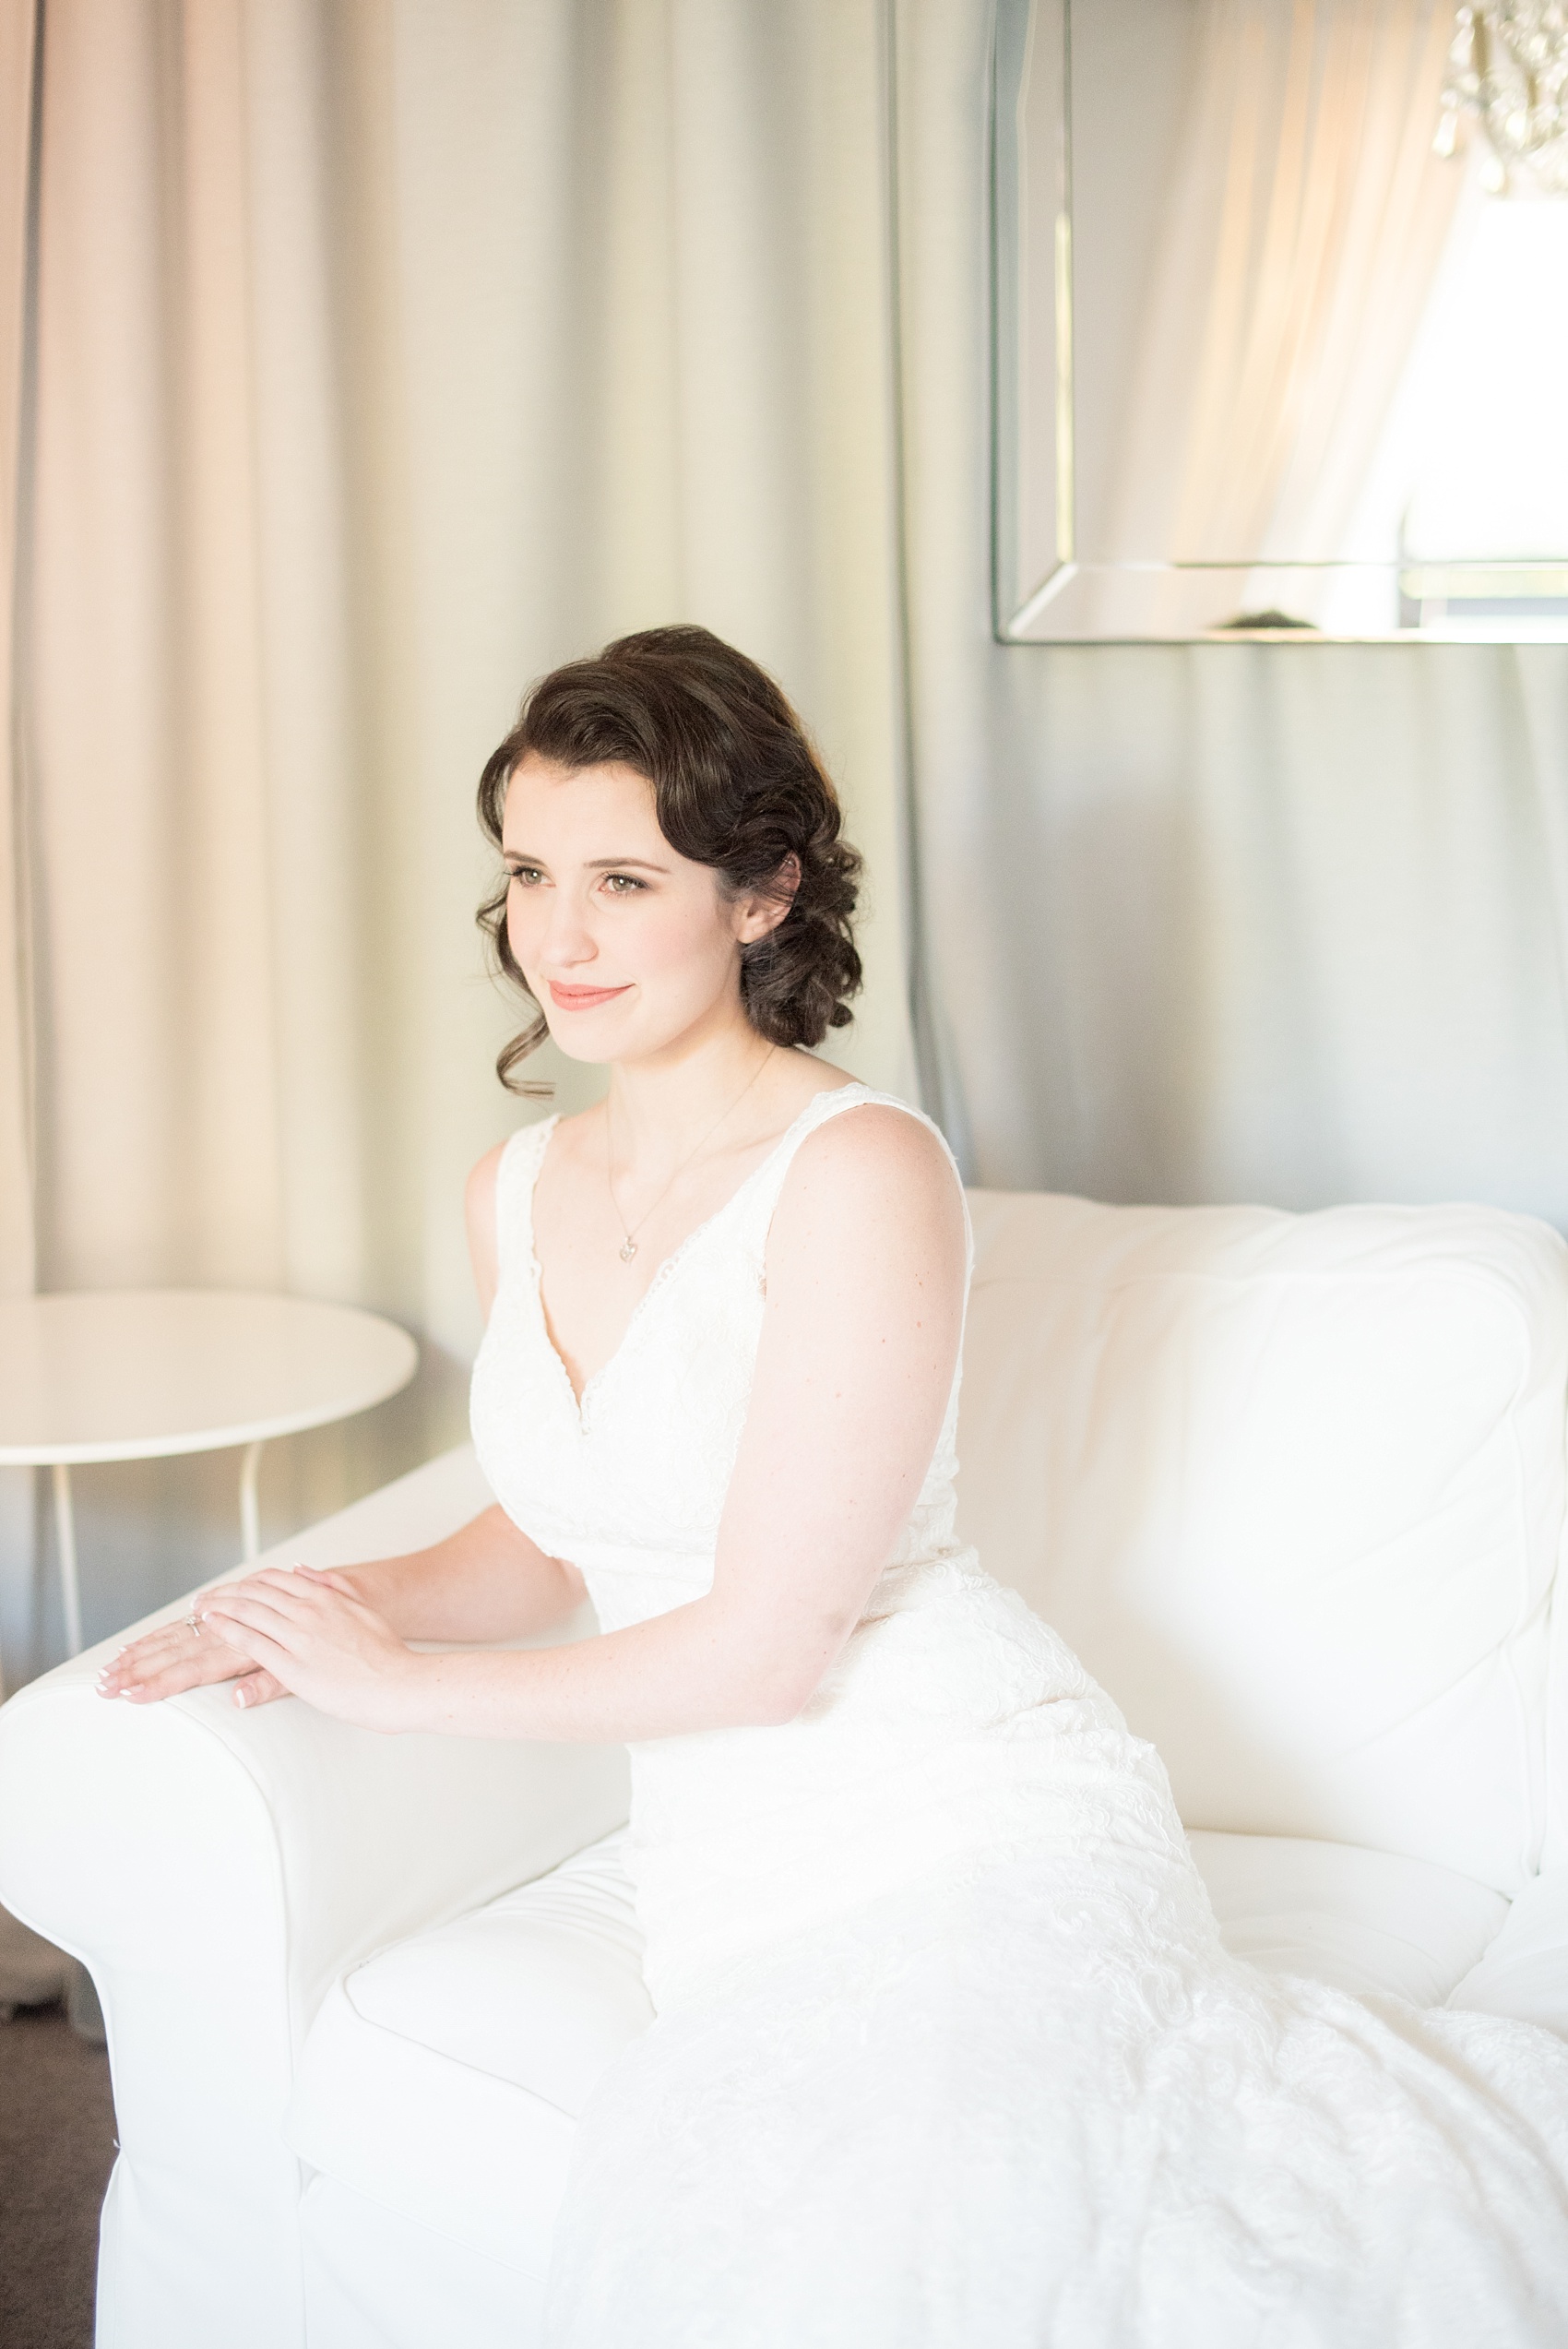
{"x":18,"y":26}
{"x":17,"y":33}
{"x":386,"y":357}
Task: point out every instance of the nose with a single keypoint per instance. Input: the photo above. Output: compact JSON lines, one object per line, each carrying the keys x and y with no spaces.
{"x":567,"y":940}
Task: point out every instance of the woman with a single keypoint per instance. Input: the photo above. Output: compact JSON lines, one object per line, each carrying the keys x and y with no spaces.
{"x":947,"y":2052}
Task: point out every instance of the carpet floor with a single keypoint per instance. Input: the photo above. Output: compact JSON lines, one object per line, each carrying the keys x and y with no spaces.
{"x":56,"y":2149}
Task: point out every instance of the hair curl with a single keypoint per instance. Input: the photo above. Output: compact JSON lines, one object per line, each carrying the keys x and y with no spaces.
{"x":736,"y":785}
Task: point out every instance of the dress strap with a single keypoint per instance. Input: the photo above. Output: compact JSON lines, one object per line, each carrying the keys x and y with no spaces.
{"x":515,"y":1176}
{"x":816,"y":1113}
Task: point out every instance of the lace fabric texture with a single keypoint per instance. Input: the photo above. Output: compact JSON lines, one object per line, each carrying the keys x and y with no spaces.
{"x":947,"y":2049}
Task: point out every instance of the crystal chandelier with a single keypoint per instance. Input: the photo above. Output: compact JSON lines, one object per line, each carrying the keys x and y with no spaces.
{"x":1508,"y":66}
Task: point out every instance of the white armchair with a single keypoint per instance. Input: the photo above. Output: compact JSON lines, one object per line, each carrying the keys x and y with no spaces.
{"x":1294,"y":1488}
{"x":218,"y":1872}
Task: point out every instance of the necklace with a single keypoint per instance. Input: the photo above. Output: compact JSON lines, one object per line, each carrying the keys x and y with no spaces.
{"x":629,"y":1245}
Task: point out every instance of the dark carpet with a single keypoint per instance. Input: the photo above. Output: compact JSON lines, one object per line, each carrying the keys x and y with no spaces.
{"x":56,"y":2149}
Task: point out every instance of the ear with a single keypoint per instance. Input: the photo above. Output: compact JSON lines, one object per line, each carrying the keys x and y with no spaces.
{"x":757,"y":917}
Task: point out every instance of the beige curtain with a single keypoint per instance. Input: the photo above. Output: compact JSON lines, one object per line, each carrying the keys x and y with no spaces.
{"x":1306,"y":221}
{"x":16,"y":27}
{"x":16,"y":30}
{"x":385,"y":355}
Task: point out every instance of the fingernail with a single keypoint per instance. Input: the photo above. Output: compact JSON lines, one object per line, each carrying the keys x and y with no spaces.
{"x":240,"y":1698}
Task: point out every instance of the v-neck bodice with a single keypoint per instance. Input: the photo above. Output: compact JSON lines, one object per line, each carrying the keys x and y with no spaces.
{"x":628,"y":1482}
{"x":665,"y":1270}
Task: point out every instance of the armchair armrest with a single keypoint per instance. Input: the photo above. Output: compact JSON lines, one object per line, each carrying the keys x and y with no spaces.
{"x":1524,"y":1973}
{"x":217,"y":1870}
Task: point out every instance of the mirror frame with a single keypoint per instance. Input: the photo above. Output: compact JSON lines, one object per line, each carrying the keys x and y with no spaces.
{"x":1038,"y":560}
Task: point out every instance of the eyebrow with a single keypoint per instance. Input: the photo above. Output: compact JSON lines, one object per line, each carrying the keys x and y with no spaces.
{"x":596,"y":863}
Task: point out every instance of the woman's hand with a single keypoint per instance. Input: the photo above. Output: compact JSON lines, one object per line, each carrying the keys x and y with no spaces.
{"x":309,"y":1632}
{"x":182,"y":1656}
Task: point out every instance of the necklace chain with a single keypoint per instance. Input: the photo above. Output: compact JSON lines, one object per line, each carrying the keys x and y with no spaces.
{"x":629,"y":1245}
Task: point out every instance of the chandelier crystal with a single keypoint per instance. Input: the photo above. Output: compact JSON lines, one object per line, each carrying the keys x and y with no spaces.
{"x":1508,"y":66}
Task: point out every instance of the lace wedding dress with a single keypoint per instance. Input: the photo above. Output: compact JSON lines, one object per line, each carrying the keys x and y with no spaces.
{"x":948,"y":2054}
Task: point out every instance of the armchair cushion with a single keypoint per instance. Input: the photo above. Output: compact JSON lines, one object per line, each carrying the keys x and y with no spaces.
{"x":496,"y":2029}
{"x":486,"y":2037}
{"x":1293,"y":1488}
{"x":1367,"y":1922}
{"x":1524,"y":1973}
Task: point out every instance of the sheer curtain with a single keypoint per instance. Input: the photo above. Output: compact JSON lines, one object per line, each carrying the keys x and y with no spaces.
{"x":1306,"y":220}
{"x":387,"y":355}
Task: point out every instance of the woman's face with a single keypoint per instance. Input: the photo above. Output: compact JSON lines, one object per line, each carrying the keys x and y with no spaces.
{"x":629,"y":947}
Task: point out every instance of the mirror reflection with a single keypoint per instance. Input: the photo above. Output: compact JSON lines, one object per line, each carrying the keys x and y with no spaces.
{"x":1282,"y":318}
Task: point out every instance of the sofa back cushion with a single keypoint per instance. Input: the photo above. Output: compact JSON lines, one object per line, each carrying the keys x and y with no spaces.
{"x":1293,"y":1488}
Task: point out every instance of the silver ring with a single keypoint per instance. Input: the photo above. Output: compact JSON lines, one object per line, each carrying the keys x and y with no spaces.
{"x":192,"y":1625}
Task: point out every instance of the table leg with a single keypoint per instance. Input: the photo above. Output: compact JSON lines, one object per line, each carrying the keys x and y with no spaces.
{"x":250,"y":1508}
{"x":65,"y":1541}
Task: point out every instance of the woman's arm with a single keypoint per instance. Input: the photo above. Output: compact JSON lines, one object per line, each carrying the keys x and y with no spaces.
{"x":865,"y":1289}
{"x":485,"y":1582}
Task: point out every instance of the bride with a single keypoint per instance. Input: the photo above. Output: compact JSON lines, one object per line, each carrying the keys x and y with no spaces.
{"x":948,"y":2054}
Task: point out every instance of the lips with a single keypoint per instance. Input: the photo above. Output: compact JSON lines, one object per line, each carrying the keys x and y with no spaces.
{"x":583,"y":998}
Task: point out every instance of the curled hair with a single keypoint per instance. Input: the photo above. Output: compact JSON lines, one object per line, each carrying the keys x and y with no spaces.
{"x":736,"y":785}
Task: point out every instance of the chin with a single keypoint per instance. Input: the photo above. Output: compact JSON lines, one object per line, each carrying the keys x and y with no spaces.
{"x":581,"y":1036}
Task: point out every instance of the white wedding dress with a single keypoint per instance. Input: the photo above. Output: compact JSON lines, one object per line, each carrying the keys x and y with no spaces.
{"x":948,"y":2054}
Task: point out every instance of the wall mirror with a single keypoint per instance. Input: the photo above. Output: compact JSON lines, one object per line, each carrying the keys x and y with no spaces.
{"x":1280,"y":306}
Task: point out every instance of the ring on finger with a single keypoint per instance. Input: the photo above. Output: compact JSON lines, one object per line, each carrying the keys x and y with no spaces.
{"x":192,"y":1625}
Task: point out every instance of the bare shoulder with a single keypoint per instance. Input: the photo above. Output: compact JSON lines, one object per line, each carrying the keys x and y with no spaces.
{"x":478,"y":1217}
{"x":872,"y":1173}
{"x":874,"y":1139}
{"x":479,"y":1191}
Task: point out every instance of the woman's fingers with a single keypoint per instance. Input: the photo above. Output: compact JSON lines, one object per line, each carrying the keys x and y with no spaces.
{"x":330,"y":1579}
{"x":244,"y":1627}
{"x":254,"y":1612}
{"x":163,"y":1663}
{"x":278,"y":1584}
{"x":257,"y":1632}
{"x":260,"y":1688}
{"x":296,"y":1593}
{"x":285,"y":1606}
{"x":255,"y":1641}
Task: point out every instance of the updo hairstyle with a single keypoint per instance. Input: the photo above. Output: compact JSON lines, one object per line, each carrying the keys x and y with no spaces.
{"x":736,"y":785}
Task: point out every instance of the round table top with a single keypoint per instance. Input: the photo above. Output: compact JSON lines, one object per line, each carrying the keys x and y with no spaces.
{"x":142,"y":1374}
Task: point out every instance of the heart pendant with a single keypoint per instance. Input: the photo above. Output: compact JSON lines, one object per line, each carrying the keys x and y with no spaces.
{"x":628,"y":1251}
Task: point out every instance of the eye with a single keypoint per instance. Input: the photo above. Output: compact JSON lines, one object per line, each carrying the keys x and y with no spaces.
{"x":622,"y":883}
{"x":529,"y":874}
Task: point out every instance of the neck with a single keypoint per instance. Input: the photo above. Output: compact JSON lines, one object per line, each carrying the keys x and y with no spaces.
{"x":659,"y":1107}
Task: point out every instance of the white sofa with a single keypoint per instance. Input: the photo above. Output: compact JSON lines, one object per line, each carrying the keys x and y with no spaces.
{"x":1293,"y":1487}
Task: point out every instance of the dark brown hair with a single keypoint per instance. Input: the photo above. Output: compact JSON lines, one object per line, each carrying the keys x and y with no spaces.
{"x":736,"y":785}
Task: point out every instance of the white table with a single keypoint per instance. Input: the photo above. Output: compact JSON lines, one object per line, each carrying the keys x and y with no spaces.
{"x":146,"y":1373}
